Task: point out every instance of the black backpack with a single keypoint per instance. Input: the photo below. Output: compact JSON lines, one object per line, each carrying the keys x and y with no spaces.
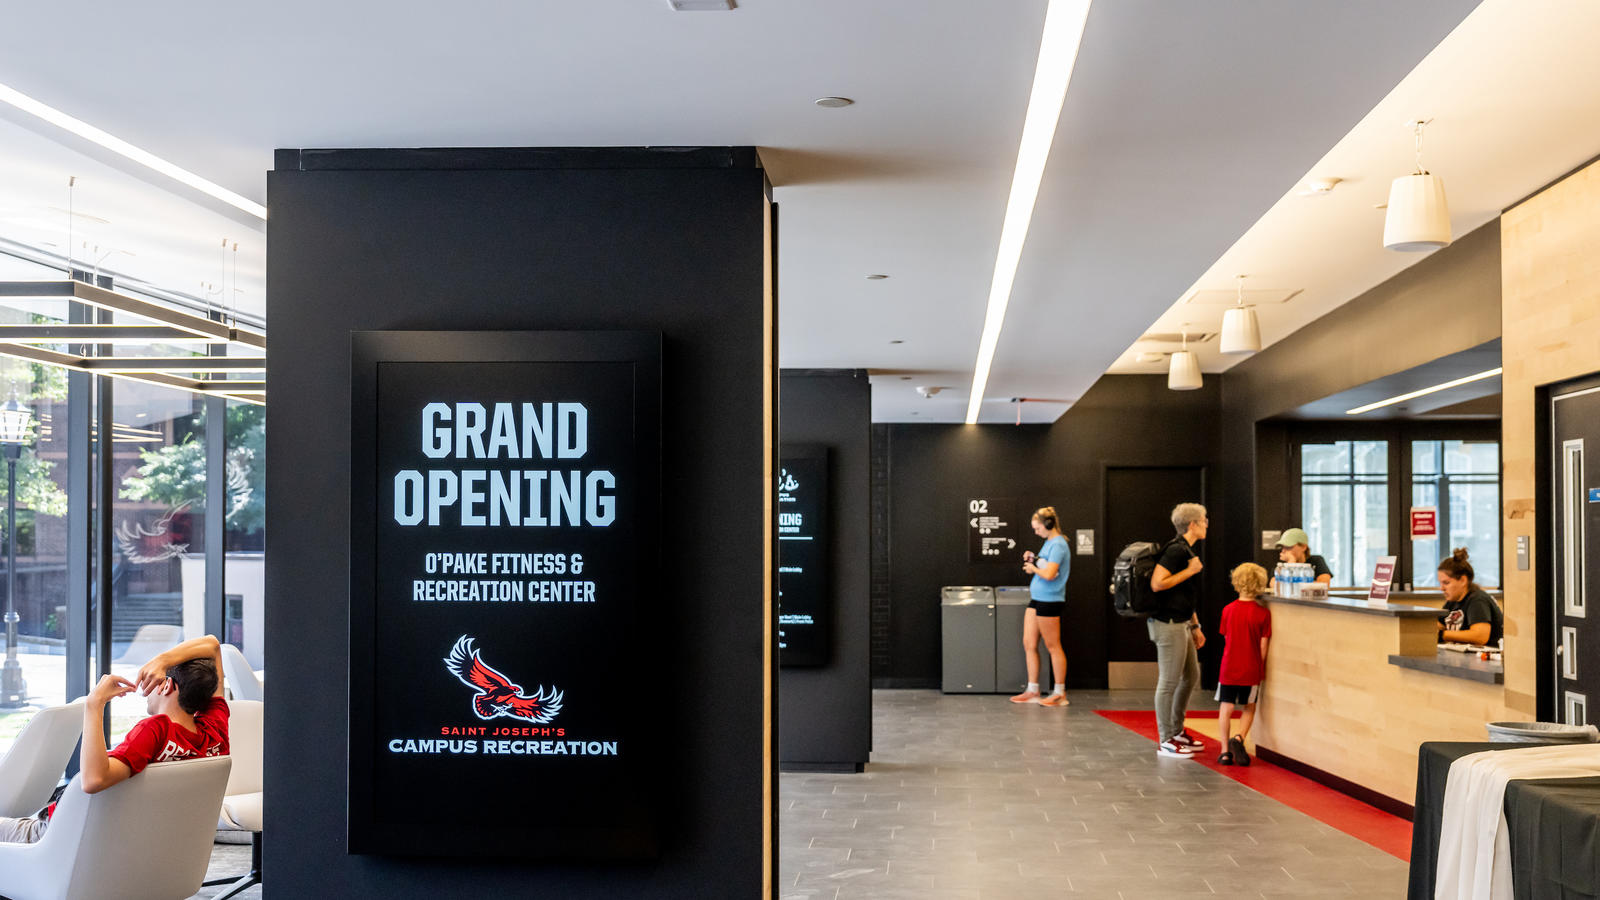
{"x":1131,"y":595}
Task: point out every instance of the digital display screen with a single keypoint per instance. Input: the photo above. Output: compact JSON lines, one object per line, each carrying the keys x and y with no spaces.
{"x":805,"y":602}
{"x":504,"y":531}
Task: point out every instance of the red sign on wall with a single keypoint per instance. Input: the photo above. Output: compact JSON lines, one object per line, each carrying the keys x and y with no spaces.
{"x":1424,"y":522}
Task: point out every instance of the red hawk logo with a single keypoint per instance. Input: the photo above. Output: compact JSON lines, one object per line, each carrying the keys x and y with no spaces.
{"x":497,"y":696}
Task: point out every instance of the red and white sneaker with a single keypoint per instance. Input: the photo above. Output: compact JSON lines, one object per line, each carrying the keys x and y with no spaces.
{"x":1174,"y":750}
{"x":1185,"y":739}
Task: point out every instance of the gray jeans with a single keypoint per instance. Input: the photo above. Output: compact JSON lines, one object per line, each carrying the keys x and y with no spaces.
{"x":22,"y":831}
{"x":1178,"y":673}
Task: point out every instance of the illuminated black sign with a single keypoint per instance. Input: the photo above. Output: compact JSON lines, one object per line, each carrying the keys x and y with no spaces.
{"x":805,"y":608}
{"x":504,"y":519}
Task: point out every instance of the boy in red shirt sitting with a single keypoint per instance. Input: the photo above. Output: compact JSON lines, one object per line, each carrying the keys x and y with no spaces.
{"x":1246,"y":627}
{"x":187,"y":718}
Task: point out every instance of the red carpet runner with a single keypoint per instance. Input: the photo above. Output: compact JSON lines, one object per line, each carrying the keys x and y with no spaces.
{"x":1388,"y":833}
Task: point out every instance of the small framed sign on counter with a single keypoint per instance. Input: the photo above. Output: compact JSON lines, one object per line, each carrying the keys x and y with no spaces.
{"x":1382,"y":581}
{"x":505,"y":534}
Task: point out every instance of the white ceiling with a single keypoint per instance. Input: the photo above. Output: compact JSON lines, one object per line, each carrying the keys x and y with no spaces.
{"x":1185,"y":122}
{"x":1514,"y":95}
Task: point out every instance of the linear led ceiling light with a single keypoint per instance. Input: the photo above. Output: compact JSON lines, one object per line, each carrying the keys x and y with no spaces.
{"x":1058,"y":53}
{"x":124,"y":149}
{"x":1423,"y":393}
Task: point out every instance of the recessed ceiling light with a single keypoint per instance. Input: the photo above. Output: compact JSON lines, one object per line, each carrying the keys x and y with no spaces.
{"x":700,"y":5}
{"x":905,"y":377}
{"x":876,"y":277}
{"x":897,"y":342}
{"x":833,"y":102}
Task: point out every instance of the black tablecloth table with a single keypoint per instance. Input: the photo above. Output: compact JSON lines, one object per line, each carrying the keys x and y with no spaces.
{"x":1555,"y":838}
{"x":1433,"y":770}
{"x":1554,"y":825}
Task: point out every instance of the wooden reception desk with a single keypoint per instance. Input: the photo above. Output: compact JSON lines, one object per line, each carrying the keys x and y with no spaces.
{"x":1335,"y":707}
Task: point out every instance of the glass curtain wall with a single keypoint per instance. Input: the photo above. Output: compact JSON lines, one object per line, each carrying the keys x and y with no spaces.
{"x":158,"y":526}
{"x":1462,"y":480}
{"x":245,"y":530}
{"x":34,"y":557}
{"x":158,"y":513}
{"x":1344,"y":497}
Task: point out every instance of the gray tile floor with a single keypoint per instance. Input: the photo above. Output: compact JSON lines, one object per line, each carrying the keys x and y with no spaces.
{"x":972,"y":798}
{"x":228,"y":860}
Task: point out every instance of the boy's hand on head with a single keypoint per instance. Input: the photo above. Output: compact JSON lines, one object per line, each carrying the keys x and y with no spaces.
{"x":151,"y":674}
{"x":111,"y":687}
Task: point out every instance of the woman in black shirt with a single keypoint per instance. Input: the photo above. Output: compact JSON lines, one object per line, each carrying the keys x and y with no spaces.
{"x":1470,"y":615}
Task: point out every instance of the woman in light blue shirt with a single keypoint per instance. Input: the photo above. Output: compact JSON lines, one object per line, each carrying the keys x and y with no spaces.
{"x":1043,"y":616}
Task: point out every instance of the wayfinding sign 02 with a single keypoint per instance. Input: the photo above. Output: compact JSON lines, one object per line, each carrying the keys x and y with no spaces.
{"x":505,"y":511}
{"x":991,"y":529}
{"x":805,"y":607}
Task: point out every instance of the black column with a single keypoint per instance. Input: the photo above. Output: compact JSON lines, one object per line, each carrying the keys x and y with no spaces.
{"x":669,"y":241}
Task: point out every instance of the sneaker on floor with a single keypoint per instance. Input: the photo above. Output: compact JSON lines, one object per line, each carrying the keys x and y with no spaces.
{"x":1026,"y":697}
{"x":1236,"y":747}
{"x":1185,"y":739}
{"x":1174,"y":750}
{"x":1054,"y":700}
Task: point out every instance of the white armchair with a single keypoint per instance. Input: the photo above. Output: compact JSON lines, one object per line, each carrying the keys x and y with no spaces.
{"x":237,"y":675}
{"x":31,"y":769}
{"x":148,"y":838}
{"x":148,"y":641}
{"x":241,"y":807}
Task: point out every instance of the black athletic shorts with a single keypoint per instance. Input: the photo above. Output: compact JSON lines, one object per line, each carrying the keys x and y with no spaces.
{"x":1238,"y":694}
{"x":1047,"y":609}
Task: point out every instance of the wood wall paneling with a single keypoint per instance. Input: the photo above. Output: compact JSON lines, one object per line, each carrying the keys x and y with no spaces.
{"x":1550,"y":287}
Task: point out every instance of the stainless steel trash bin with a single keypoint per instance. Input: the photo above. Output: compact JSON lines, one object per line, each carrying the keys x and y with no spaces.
{"x":967,"y":627}
{"x":1541,"y":733}
{"x":1010,"y":667}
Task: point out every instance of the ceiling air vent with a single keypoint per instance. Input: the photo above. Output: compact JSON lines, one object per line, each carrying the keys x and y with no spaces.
{"x":1173,"y":337}
{"x":1263,"y":297}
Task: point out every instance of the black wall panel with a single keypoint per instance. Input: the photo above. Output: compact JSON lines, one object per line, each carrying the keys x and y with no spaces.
{"x":542,"y":240}
{"x":1129,"y":420}
{"x":825,"y":719}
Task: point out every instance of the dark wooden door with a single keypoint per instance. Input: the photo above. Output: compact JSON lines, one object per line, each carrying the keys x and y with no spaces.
{"x":1575,"y":427}
{"x":1139,"y":502}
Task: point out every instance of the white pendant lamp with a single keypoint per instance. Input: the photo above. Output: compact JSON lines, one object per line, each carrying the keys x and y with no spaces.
{"x":1183,"y":372}
{"x":1241,"y":333}
{"x":1418,"y":217}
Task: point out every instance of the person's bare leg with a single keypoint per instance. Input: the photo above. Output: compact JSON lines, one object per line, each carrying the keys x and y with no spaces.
{"x":1247,"y":717}
{"x":1030,"y":653}
{"x":1050,"y":630}
{"x":1225,"y":720}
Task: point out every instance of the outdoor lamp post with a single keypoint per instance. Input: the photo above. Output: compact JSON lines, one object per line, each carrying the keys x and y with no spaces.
{"x":16,"y":421}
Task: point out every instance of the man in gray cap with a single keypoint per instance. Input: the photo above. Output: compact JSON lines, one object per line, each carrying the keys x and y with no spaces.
{"x":1295,"y":547}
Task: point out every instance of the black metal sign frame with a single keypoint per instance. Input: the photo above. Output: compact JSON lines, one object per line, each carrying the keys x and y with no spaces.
{"x":530,"y":748}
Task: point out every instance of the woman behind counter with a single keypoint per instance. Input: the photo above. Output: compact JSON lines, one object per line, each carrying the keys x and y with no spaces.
{"x":1470,"y":615}
{"x":1048,"y":594}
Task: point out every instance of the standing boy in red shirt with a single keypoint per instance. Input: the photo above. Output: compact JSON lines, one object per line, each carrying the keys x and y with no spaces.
{"x":187,"y":718}
{"x":1246,"y":627}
